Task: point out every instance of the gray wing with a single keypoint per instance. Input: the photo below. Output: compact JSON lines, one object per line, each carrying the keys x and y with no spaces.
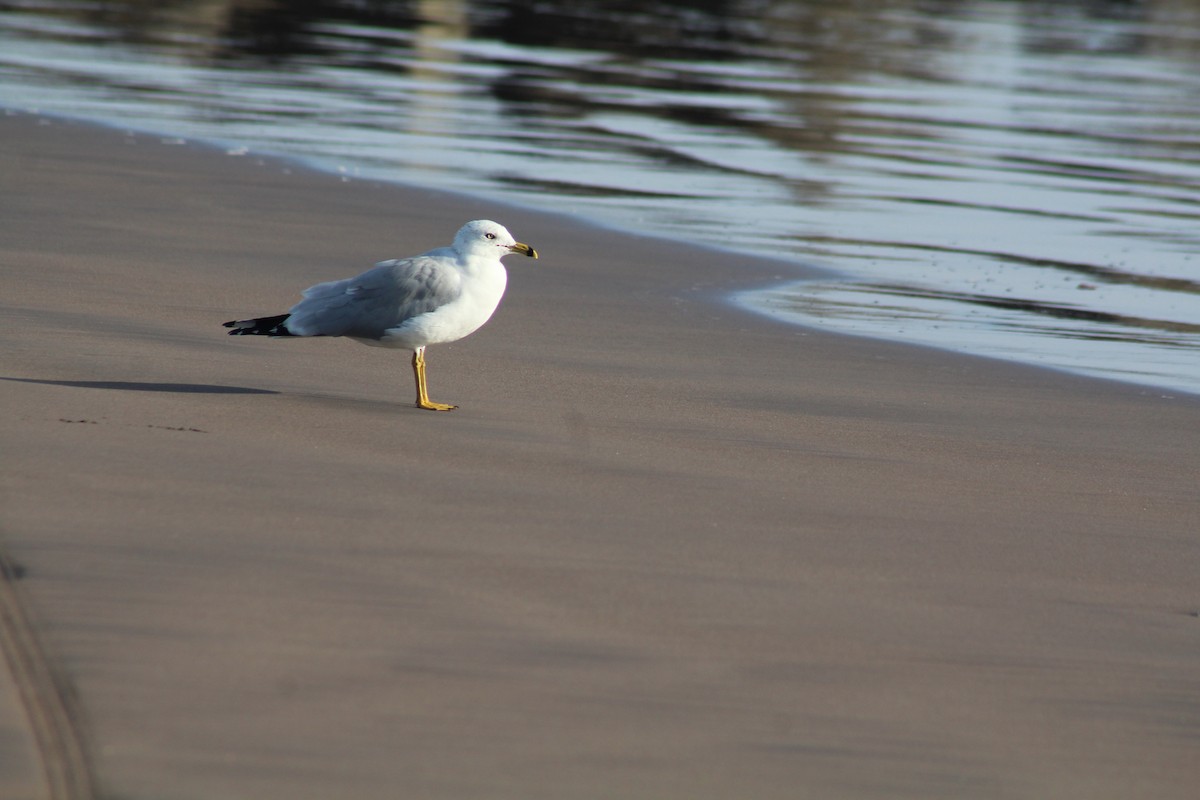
{"x":381,"y":298}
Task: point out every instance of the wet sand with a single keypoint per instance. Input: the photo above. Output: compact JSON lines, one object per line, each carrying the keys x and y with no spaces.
{"x":663,"y":549}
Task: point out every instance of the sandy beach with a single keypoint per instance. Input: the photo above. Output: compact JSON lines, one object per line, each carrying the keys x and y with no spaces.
{"x":664,"y":549}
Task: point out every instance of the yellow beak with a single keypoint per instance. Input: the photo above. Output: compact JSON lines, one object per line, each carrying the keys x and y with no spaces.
{"x":524,"y":249}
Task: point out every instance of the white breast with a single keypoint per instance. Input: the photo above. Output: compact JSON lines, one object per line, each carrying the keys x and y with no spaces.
{"x":483,"y":287}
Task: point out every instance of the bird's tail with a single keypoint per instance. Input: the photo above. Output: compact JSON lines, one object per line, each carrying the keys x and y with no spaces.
{"x":263,"y":326}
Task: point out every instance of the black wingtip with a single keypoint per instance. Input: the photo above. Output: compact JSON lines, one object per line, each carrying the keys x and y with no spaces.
{"x":260,"y":326}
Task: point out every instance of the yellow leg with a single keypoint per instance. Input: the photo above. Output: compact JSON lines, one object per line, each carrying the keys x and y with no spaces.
{"x":423,"y":401}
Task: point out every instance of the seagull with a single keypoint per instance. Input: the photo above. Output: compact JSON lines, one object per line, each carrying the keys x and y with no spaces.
{"x":439,"y":296}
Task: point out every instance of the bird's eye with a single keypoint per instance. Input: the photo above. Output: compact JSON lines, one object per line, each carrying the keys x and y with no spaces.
{"x":489,"y":236}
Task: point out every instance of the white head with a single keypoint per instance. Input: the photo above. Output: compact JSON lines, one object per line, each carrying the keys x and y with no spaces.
{"x":485,"y":237}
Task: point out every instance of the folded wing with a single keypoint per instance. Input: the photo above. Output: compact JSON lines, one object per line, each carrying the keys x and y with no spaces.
{"x":382,"y":298}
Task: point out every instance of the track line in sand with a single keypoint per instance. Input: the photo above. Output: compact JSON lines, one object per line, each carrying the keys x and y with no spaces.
{"x":48,"y":701}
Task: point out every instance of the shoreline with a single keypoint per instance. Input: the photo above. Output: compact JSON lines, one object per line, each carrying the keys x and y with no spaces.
{"x":665,"y":548}
{"x":749,"y":296}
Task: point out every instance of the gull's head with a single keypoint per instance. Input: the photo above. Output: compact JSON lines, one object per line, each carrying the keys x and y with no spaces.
{"x":484,"y":237}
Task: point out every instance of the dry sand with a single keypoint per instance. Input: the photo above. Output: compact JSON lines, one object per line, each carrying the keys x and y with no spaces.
{"x":663,"y":550}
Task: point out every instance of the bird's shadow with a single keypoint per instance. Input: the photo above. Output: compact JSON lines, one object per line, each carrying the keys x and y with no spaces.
{"x":137,"y":386}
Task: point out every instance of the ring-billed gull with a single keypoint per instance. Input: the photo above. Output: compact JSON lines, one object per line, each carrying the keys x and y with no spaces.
{"x":439,"y":296}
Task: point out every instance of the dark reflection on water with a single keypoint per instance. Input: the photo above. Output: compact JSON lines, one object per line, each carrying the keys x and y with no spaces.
{"x":1019,"y":179}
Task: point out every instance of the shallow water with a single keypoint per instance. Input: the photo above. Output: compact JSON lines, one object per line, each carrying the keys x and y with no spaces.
{"x":1014,"y":179}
